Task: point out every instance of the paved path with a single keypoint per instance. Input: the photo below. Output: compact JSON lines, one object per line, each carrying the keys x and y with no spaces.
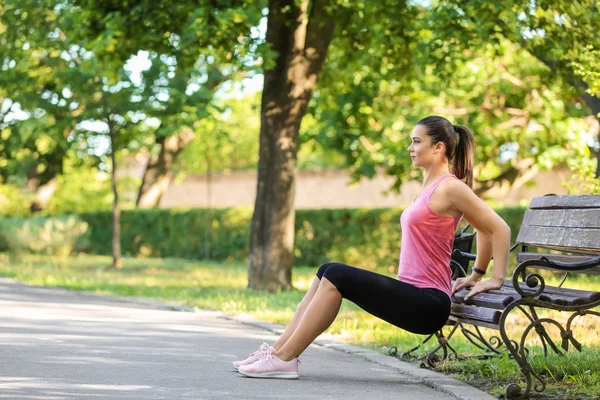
{"x":59,"y":344}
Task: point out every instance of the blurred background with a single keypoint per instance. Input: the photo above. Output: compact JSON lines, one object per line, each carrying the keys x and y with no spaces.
{"x":138,"y":112}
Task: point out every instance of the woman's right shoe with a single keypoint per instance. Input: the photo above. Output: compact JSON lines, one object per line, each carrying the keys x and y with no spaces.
{"x":263,"y":350}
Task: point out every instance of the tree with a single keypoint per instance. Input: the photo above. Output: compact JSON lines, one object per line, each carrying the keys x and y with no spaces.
{"x":177,"y":111}
{"x":35,"y":120}
{"x":384,"y":53}
{"x":78,"y":90}
{"x":299,"y":33}
{"x":90,"y":44}
{"x":193,"y":48}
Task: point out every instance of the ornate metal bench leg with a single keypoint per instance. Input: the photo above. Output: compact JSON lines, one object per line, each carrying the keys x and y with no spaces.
{"x":432,"y":358}
{"x":407,"y":355}
{"x":514,"y":390}
{"x":568,"y":334}
{"x":518,"y":352}
{"x":542,"y":333}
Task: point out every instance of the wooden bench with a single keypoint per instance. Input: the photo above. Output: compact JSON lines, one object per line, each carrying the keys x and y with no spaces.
{"x":566,"y":224}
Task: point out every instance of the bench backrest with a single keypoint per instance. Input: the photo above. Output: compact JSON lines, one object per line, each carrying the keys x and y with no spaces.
{"x":567,"y":223}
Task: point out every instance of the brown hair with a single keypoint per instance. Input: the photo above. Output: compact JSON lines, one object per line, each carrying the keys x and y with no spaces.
{"x":460,"y":145}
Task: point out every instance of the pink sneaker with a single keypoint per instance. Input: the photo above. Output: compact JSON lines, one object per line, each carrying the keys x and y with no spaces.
{"x":269,"y":366}
{"x":262,"y":350}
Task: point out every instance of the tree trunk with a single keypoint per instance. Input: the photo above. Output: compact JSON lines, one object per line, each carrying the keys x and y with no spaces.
{"x":301,"y":39}
{"x":207,"y":217}
{"x":593,"y":103}
{"x":43,"y":194}
{"x":43,"y":183}
{"x":159,"y":170}
{"x":116,"y":214}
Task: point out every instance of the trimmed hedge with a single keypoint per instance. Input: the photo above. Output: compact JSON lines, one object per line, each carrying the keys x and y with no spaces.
{"x":369,"y":238}
{"x":55,"y":235}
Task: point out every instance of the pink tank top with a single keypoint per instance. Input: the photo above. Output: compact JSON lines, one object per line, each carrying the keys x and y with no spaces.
{"x":427,"y":240}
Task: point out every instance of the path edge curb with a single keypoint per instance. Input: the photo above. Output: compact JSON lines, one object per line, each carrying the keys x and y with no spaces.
{"x":435,"y":380}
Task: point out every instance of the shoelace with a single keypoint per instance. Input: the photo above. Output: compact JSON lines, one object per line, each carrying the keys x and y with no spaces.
{"x":263,"y":350}
{"x":265,"y":357}
{"x":269,"y":356}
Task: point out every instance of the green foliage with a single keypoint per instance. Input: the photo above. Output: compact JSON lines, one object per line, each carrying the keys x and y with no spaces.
{"x":229,"y":140}
{"x":79,"y":190}
{"x":562,"y":34}
{"x":521,"y":119}
{"x":587,"y":67}
{"x":368,"y":238}
{"x":584,"y":180}
{"x":13,"y":202}
{"x":42,"y":235}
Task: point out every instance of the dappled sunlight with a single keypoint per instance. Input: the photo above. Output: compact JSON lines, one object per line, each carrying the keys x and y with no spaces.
{"x":17,"y":383}
{"x":303,"y":282}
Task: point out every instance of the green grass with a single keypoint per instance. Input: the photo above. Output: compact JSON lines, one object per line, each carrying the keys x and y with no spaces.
{"x":222,"y":286}
{"x":575,"y":376}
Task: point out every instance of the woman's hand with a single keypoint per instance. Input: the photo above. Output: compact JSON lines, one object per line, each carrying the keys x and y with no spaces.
{"x":477,"y":284}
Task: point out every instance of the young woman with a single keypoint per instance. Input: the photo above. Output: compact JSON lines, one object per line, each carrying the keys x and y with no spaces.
{"x":419,"y":300}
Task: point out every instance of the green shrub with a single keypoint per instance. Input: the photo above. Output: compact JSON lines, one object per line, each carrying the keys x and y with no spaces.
{"x":13,"y":202}
{"x":368,"y":238}
{"x":43,"y":235}
{"x":220,"y":234}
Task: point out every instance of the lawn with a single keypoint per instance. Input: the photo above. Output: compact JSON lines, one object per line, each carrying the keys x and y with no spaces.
{"x":222,"y":286}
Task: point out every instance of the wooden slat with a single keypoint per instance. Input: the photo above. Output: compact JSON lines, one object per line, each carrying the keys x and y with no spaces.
{"x":488,"y":300}
{"x":565,"y":239}
{"x":564,"y":218}
{"x":566,"y":201}
{"x":499,"y":299}
{"x":452,"y":320}
{"x":551,"y":289}
{"x":526,"y":256}
{"x":476,"y":313}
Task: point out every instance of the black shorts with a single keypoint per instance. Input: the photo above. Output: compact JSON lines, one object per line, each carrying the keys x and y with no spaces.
{"x":413,"y":309}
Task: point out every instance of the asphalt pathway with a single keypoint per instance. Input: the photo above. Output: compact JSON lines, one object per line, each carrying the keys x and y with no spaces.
{"x":60,"y":344}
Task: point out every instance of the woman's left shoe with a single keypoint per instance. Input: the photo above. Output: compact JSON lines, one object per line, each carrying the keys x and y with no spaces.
{"x":269,"y":366}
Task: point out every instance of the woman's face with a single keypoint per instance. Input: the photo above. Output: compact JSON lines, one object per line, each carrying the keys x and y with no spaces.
{"x":421,"y":151}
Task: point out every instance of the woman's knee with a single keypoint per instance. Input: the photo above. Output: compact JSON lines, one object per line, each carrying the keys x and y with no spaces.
{"x":335,"y":273}
{"x":322,"y":269}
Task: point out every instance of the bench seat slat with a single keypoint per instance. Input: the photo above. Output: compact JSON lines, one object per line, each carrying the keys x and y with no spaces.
{"x":553,"y":290}
{"x":488,"y":300}
{"x":477,"y":313}
{"x":499,"y":299}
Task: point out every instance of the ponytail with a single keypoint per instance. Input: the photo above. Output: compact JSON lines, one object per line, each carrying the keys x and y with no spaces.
{"x":464,"y":157}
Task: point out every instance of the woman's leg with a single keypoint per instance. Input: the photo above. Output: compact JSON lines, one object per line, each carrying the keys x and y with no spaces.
{"x":310,"y":294}
{"x":406,"y":306}
{"x":289,"y":330}
{"x":318,"y":316}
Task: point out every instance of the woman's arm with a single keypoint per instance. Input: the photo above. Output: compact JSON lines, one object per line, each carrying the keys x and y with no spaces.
{"x":493,"y":239}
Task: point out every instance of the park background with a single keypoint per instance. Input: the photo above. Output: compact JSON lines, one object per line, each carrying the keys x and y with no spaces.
{"x":215,"y":154}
